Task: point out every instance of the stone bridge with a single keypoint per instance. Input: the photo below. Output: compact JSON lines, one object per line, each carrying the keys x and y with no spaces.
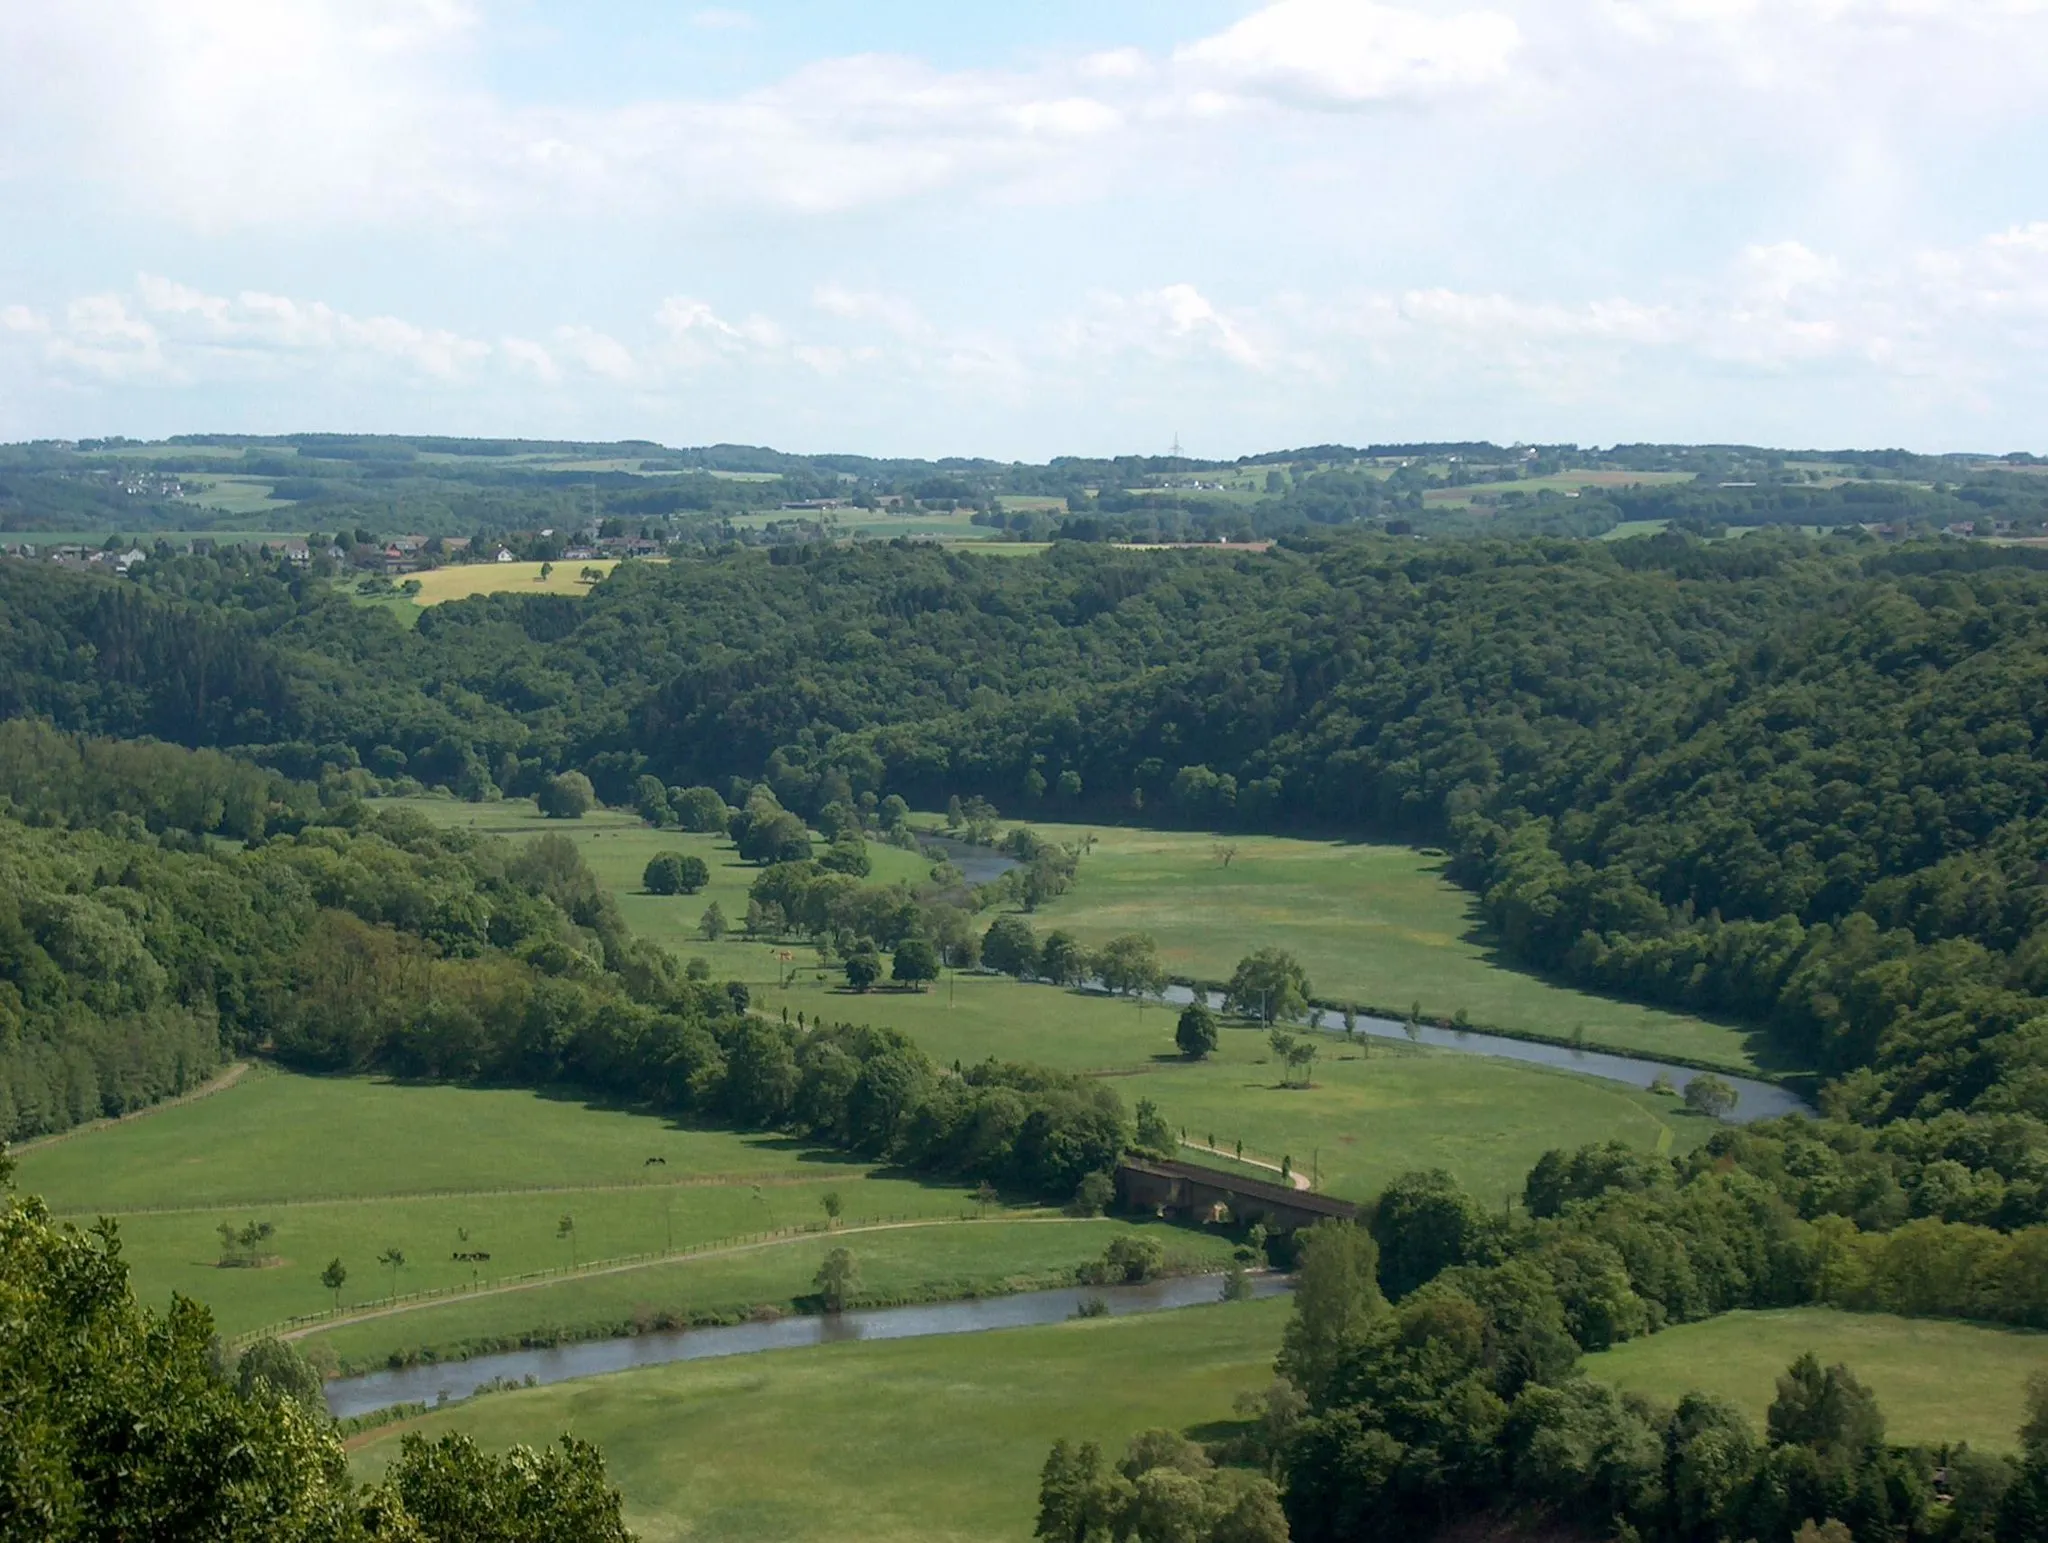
{"x":1210,"y":1194}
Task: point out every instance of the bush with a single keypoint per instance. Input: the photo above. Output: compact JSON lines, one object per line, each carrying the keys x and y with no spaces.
{"x":1092,"y":1196}
{"x":1010,"y":945}
{"x":699,"y":809}
{"x":567,"y":797}
{"x":675,"y":873}
{"x":1196,"y":1031}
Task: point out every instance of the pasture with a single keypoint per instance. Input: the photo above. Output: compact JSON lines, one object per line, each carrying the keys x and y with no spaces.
{"x":1375,"y":925}
{"x":1936,"y":1380}
{"x":462,"y":580}
{"x":352,"y":1168}
{"x":934,"y":1440}
{"x":936,"y":1261}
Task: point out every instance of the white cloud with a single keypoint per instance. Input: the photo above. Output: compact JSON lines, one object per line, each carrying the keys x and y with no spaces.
{"x":1350,"y":53}
{"x":597,"y":353}
{"x":891,"y":311}
{"x":170,"y":332}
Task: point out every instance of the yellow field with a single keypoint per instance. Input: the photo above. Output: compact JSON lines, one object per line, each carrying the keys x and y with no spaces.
{"x":459,"y":583}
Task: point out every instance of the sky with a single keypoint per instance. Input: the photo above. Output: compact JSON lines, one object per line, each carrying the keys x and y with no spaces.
{"x":909,"y":228}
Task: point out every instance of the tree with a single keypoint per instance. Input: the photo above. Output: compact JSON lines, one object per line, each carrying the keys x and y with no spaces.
{"x":565,"y":1229}
{"x":1010,"y":946}
{"x":1062,"y":960}
{"x":1336,"y":1300}
{"x":117,"y":1424}
{"x":847,"y":854}
{"x":274,"y":1370}
{"x":1154,"y":1135}
{"x":831,"y":1202}
{"x":838,"y":1280}
{"x":567,"y":797}
{"x":1423,"y":1224}
{"x":1268,"y":984}
{"x":1129,"y":965}
{"x":333,"y":1278}
{"x":700,"y":809}
{"x":546,"y":572}
{"x":393,"y":1259}
{"x":863,"y":967}
{"x":650,"y":801}
{"x":451,"y":1489}
{"x":1195,"y":1033}
{"x":711,"y":926}
{"x":916,"y":962}
{"x":1828,"y":1411}
{"x":675,"y":873}
{"x":777,"y":837}
{"x":1708,"y":1095}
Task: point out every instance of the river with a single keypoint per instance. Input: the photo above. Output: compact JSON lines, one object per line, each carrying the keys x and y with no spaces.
{"x":1755,"y":1099}
{"x":452,"y":1380}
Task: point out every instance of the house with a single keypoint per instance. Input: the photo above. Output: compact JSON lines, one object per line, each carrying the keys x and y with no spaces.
{"x":297,"y":553}
{"x":504,"y":555}
{"x":130,"y":558}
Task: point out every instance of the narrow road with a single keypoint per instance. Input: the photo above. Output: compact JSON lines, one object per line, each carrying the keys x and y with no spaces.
{"x":593,"y":1271}
{"x":1298,"y":1180}
{"x":219,"y":1084}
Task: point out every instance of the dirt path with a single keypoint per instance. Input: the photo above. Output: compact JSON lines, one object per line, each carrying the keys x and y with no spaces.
{"x":1299,"y":1180}
{"x":219,"y":1084}
{"x":591,"y":1273}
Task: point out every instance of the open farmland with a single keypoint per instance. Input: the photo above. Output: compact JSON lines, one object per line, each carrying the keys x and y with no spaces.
{"x":791,"y":1445}
{"x":1937,"y":1381}
{"x":1377,"y":925}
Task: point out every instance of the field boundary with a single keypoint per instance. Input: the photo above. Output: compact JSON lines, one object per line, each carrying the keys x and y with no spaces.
{"x":313,"y":1323}
{"x":777,"y":1180}
{"x":220,"y":1082}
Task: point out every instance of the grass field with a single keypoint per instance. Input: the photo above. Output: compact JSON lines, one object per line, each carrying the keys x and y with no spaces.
{"x":1936,"y":1381}
{"x":1376,"y":925}
{"x":235,"y":494}
{"x":933,"y":1440}
{"x":937,"y":1262}
{"x":1393,"y":1109}
{"x":352,"y":1167}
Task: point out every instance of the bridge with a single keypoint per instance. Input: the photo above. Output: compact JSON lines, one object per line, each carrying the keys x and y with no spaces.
{"x":1210,"y":1194}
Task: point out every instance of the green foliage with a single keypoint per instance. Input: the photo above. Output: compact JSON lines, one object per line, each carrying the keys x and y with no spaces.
{"x":1010,"y":946}
{"x":915,"y":963}
{"x":1062,"y":960}
{"x":1268,"y":984}
{"x":1129,"y":965}
{"x":675,"y":873}
{"x":1336,"y":1300}
{"x":838,"y":1280}
{"x":118,"y":1426}
{"x":566,"y":797}
{"x":1424,"y":1223}
{"x":1166,"y":1490}
{"x":1195,"y":1032}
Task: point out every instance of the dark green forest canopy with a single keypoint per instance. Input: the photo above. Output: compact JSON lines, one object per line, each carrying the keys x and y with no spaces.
{"x":1795,"y":781}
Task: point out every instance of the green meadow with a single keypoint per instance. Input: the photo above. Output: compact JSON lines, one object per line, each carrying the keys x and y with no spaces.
{"x":1376,"y":925}
{"x":933,"y":1440}
{"x":1936,"y":1380}
{"x":353,"y":1168}
{"x":936,"y":1261}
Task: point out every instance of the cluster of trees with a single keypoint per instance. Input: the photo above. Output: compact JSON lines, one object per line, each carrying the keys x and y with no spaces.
{"x":1462,"y":1397}
{"x":124,"y":1423}
{"x":1791,"y":782}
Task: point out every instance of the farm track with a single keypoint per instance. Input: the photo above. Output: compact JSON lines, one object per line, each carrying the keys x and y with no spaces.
{"x":591,"y":1272}
{"x":777,"y":1180}
{"x":226,"y":1079}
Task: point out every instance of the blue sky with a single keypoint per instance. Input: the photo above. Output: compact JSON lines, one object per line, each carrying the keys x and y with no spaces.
{"x":905,"y":227}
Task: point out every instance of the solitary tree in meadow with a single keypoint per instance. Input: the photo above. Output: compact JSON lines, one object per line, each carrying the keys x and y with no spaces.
{"x":1196,"y":1032}
{"x":1268,"y":984}
{"x":838,"y":1279}
{"x":333,"y":1277}
{"x":566,"y":1230}
{"x":711,"y":925}
{"x":393,"y":1259}
{"x":1709,"y":1095}
{"x":830,"y":1201}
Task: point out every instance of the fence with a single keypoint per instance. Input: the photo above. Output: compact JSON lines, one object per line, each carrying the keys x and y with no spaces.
{"x":380,"y":1305}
